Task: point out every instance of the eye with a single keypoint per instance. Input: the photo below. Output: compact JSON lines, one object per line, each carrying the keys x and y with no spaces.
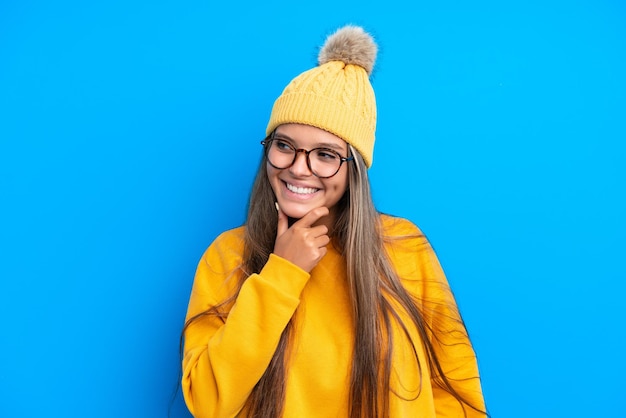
{"x":282,"y":146}
{"x":326,"y":155}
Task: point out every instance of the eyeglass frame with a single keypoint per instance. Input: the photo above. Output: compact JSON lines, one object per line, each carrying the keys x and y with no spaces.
{"x":267,"y":143}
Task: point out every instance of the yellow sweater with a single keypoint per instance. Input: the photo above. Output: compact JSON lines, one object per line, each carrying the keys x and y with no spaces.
{"x":224,"y":360}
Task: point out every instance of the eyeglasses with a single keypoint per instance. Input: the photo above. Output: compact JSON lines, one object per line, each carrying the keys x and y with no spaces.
{"x":322,"y":162}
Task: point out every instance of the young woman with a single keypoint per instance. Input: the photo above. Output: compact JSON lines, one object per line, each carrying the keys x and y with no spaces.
{"x":320,"y":306}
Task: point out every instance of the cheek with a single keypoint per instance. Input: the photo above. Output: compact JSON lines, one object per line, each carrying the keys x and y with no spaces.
{"x":272,"y":176}
{"x":345,"y":181}
{"x":341,"y":185}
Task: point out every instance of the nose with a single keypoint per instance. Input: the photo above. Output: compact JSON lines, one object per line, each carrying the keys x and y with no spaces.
{"x":299,"y":167}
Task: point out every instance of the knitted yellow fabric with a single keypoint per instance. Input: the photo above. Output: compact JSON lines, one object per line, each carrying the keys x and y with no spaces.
{"x":336,"y":96}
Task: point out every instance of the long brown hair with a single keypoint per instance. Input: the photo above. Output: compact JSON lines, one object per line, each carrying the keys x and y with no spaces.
{"x":375,"y":289}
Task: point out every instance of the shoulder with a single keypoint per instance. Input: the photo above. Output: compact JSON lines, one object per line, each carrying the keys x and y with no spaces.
{"x":226,"y":250}
{"x":401,"y":231}
{"x":229,"y":238}
{"x":408,"y":249}
{"x":218,"y":265}
{"x":394,"y":226}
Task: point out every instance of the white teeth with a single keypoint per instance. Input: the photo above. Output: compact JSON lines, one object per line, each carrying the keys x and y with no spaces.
{"x":301,"y":190}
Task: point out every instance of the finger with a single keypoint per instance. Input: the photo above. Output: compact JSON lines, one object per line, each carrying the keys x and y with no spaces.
{"x":283,"y":222}
{"x":313,"y":216}
{"x":322,"y":252}
{"x":322,"y":241}
{"x":318,"y":231}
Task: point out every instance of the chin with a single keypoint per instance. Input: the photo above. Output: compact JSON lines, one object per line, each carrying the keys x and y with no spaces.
{"x":295,"y":211}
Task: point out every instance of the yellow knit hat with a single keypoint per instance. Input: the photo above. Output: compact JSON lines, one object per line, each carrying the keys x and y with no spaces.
{"x":337,"y":95}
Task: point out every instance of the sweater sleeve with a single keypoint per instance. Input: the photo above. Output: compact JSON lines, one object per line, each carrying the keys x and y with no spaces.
{"x":224,"y":358}
{"x":450,"y":341}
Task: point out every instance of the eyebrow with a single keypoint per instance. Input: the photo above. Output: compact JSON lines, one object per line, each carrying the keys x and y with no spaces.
{"x":317,"y":145}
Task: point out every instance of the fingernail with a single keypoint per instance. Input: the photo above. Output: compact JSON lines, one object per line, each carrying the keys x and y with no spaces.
{"x":277,"y":208}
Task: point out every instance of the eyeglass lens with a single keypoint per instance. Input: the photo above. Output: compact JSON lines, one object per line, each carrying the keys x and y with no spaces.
{"x":322,"y":162}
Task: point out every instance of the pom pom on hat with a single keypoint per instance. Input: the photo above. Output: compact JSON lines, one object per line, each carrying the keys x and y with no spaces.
{"x":350,"y":45}
{"x":337,"y":95}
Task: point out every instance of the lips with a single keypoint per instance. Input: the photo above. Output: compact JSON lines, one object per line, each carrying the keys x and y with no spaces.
{"x":300,"y":190}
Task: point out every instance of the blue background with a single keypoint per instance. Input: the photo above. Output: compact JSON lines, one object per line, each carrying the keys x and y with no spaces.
{"x":129,"y":136}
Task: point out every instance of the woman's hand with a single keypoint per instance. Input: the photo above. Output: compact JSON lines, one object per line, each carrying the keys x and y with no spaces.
{"x":303,"y":244}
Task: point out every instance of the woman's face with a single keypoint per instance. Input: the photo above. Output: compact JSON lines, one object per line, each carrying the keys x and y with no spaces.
{"x":297,"y":189}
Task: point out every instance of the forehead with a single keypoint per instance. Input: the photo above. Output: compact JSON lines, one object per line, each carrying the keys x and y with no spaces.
{"x":305,"y":136}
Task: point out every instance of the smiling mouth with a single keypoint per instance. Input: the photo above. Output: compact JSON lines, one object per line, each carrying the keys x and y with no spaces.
{"x":301,"y":190}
